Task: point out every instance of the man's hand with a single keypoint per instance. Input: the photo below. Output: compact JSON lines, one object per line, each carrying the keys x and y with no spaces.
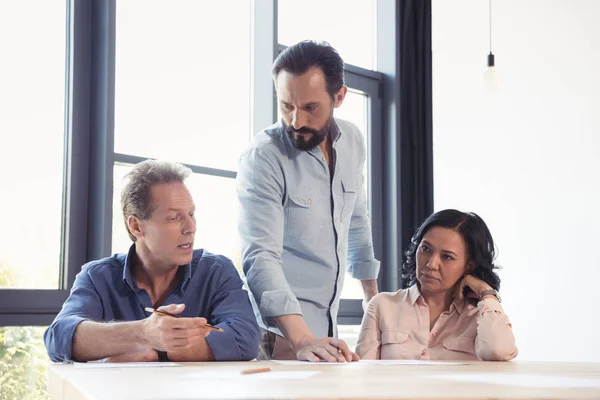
{"x":171,"y":334}
{"x":138,"y":356}
{"x":326,"y":349}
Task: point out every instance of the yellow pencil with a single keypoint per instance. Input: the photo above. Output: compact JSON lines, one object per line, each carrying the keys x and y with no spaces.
{"x":255,"y":370}
{"x":166,"y":314}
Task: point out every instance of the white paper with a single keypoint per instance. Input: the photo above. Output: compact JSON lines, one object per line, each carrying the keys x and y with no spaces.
{"x":222,"y":373}
{"x":524,"y":380}
{"x":296,"y":362}
{"x":409,"y":362}
{"x":125,"y":365}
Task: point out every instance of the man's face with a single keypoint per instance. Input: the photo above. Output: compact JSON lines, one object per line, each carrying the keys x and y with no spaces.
{"x":306,"y":106}
{"x":169,"y":232}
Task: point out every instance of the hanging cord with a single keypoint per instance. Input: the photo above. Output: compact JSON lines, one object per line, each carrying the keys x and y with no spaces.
{"x":491,"y":59}
{"x":490,"y":10}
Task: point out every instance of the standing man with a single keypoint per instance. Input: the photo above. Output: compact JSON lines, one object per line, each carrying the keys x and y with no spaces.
{"x":105,"y":315}
{"x":304,"y":220}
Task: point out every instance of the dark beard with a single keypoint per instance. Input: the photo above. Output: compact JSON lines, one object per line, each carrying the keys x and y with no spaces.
{"x":318,"y":136}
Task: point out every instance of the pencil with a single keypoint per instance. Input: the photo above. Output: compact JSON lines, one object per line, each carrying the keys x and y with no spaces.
{"x":166,"y":314}
{"x":255,"y":371}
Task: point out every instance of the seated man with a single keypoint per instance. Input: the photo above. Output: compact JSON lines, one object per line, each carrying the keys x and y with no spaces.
{"x":105,"y":317}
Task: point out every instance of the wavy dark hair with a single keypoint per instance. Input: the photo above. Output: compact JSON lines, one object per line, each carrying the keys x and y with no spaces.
{"x":298,"y":58}
{"x":477,"y":237}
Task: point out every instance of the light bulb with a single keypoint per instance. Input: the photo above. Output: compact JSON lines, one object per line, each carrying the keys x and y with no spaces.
{"x":490,"y":76}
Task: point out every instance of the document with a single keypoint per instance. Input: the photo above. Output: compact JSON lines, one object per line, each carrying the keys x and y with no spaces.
{"x":523,"y":380}
{"x":226,"y":373}
{"x":126,"y":365}
{"x":409,"y":362}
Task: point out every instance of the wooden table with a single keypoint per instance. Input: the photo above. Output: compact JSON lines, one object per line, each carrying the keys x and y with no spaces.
{"x":357,"y":381}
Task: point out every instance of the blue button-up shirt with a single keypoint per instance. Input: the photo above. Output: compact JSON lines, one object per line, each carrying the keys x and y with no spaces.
{"x":106,"y":290}
{"x":302,"y":229}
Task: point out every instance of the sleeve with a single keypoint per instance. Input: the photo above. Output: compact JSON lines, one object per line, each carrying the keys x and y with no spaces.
{"x":368,"y":346}
{"x":260,"y":190}
{"x":361,"y":258}
{"x":82,"y":304}
{"x":232,"y":312}
{"x":495,"y":340}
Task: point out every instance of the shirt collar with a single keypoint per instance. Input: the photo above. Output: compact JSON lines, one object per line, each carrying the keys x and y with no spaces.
{"x":457,"y":305}
{"x":130,"y":281}
{"x":336,"y":133}
{"x":414,"y":293}
{"x":128,"y":270}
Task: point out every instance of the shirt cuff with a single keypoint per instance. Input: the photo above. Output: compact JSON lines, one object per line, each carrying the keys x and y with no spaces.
{"x":487,"y":305}
{"x":62,"y":338}
{"x":223,"y":344}
{"x":364,"y":271}
{"x":275,"y":303}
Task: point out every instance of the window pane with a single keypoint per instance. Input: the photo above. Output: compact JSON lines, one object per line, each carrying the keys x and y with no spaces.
{"x":355,"y":109}
{"x":216,"y":215}
{"x":183,"y":80}
{"x":348,"y":26}
{"x":32,"y":90}
{"x":23,"y":363}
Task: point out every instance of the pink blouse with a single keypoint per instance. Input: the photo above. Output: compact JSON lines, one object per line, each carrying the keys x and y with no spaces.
{"x":396,"y":326}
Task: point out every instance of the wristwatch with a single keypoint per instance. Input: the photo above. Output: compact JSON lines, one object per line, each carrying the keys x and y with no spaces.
{"x":490,"y":292}
{"x":162,"y":356}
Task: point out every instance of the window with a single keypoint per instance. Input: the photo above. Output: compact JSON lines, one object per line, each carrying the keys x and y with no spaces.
{"x":91,"y":88}
{"x":348,"y":27}
{"x":32,"y":97}
{"x":179,"y":93}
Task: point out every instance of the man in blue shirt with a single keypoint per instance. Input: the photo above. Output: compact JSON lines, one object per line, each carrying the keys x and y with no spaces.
{"x":303,"y":210}
{"x":104,"y":316}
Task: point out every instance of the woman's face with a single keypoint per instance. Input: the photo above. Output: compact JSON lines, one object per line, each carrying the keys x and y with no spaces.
{"x":442,"y":260}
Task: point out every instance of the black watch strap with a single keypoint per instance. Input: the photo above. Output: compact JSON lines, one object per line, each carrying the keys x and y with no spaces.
{"x":162,"y":356}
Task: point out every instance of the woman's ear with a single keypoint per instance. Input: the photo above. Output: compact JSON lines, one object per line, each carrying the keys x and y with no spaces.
{"x":471,"y":265}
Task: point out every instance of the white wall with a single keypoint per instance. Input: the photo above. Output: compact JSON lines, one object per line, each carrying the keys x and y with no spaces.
{"x":527,"y":158}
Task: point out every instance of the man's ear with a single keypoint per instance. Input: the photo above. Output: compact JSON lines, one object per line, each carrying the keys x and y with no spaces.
{"x":135,"y":226}
{"x":339,"y":97}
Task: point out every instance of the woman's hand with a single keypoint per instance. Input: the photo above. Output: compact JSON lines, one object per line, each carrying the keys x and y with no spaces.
{"x":476,"y":285}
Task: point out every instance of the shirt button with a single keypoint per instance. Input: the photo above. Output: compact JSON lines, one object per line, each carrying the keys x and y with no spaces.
{"x":309,"y":201}
{"x":323,"y":158}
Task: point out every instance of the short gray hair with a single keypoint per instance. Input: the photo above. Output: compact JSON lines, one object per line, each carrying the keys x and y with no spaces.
{"x":136,"y":198}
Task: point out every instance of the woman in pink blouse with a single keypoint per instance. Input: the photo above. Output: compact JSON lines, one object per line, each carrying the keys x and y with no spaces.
{"x":449,"y":308}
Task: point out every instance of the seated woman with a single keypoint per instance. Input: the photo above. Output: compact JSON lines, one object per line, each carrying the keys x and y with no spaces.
{"x":449,"y":308}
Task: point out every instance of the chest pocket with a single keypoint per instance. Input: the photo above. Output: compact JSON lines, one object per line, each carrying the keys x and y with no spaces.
{"x":397,"y":345}
{"x":462,"y":344}
{"x":350,"y":189}
{"x":302,"y":216}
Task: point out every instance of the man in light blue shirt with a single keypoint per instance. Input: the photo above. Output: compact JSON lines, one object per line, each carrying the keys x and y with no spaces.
{"x":303,"y":210}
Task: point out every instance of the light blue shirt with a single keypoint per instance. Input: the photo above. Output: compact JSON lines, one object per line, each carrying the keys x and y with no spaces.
{"x":302,"y":229}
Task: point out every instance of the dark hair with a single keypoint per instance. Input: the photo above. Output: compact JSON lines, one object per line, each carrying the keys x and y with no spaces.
{"x":477,"y":237}
{"x":298,"y":58}
{"x":136,"y":198}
